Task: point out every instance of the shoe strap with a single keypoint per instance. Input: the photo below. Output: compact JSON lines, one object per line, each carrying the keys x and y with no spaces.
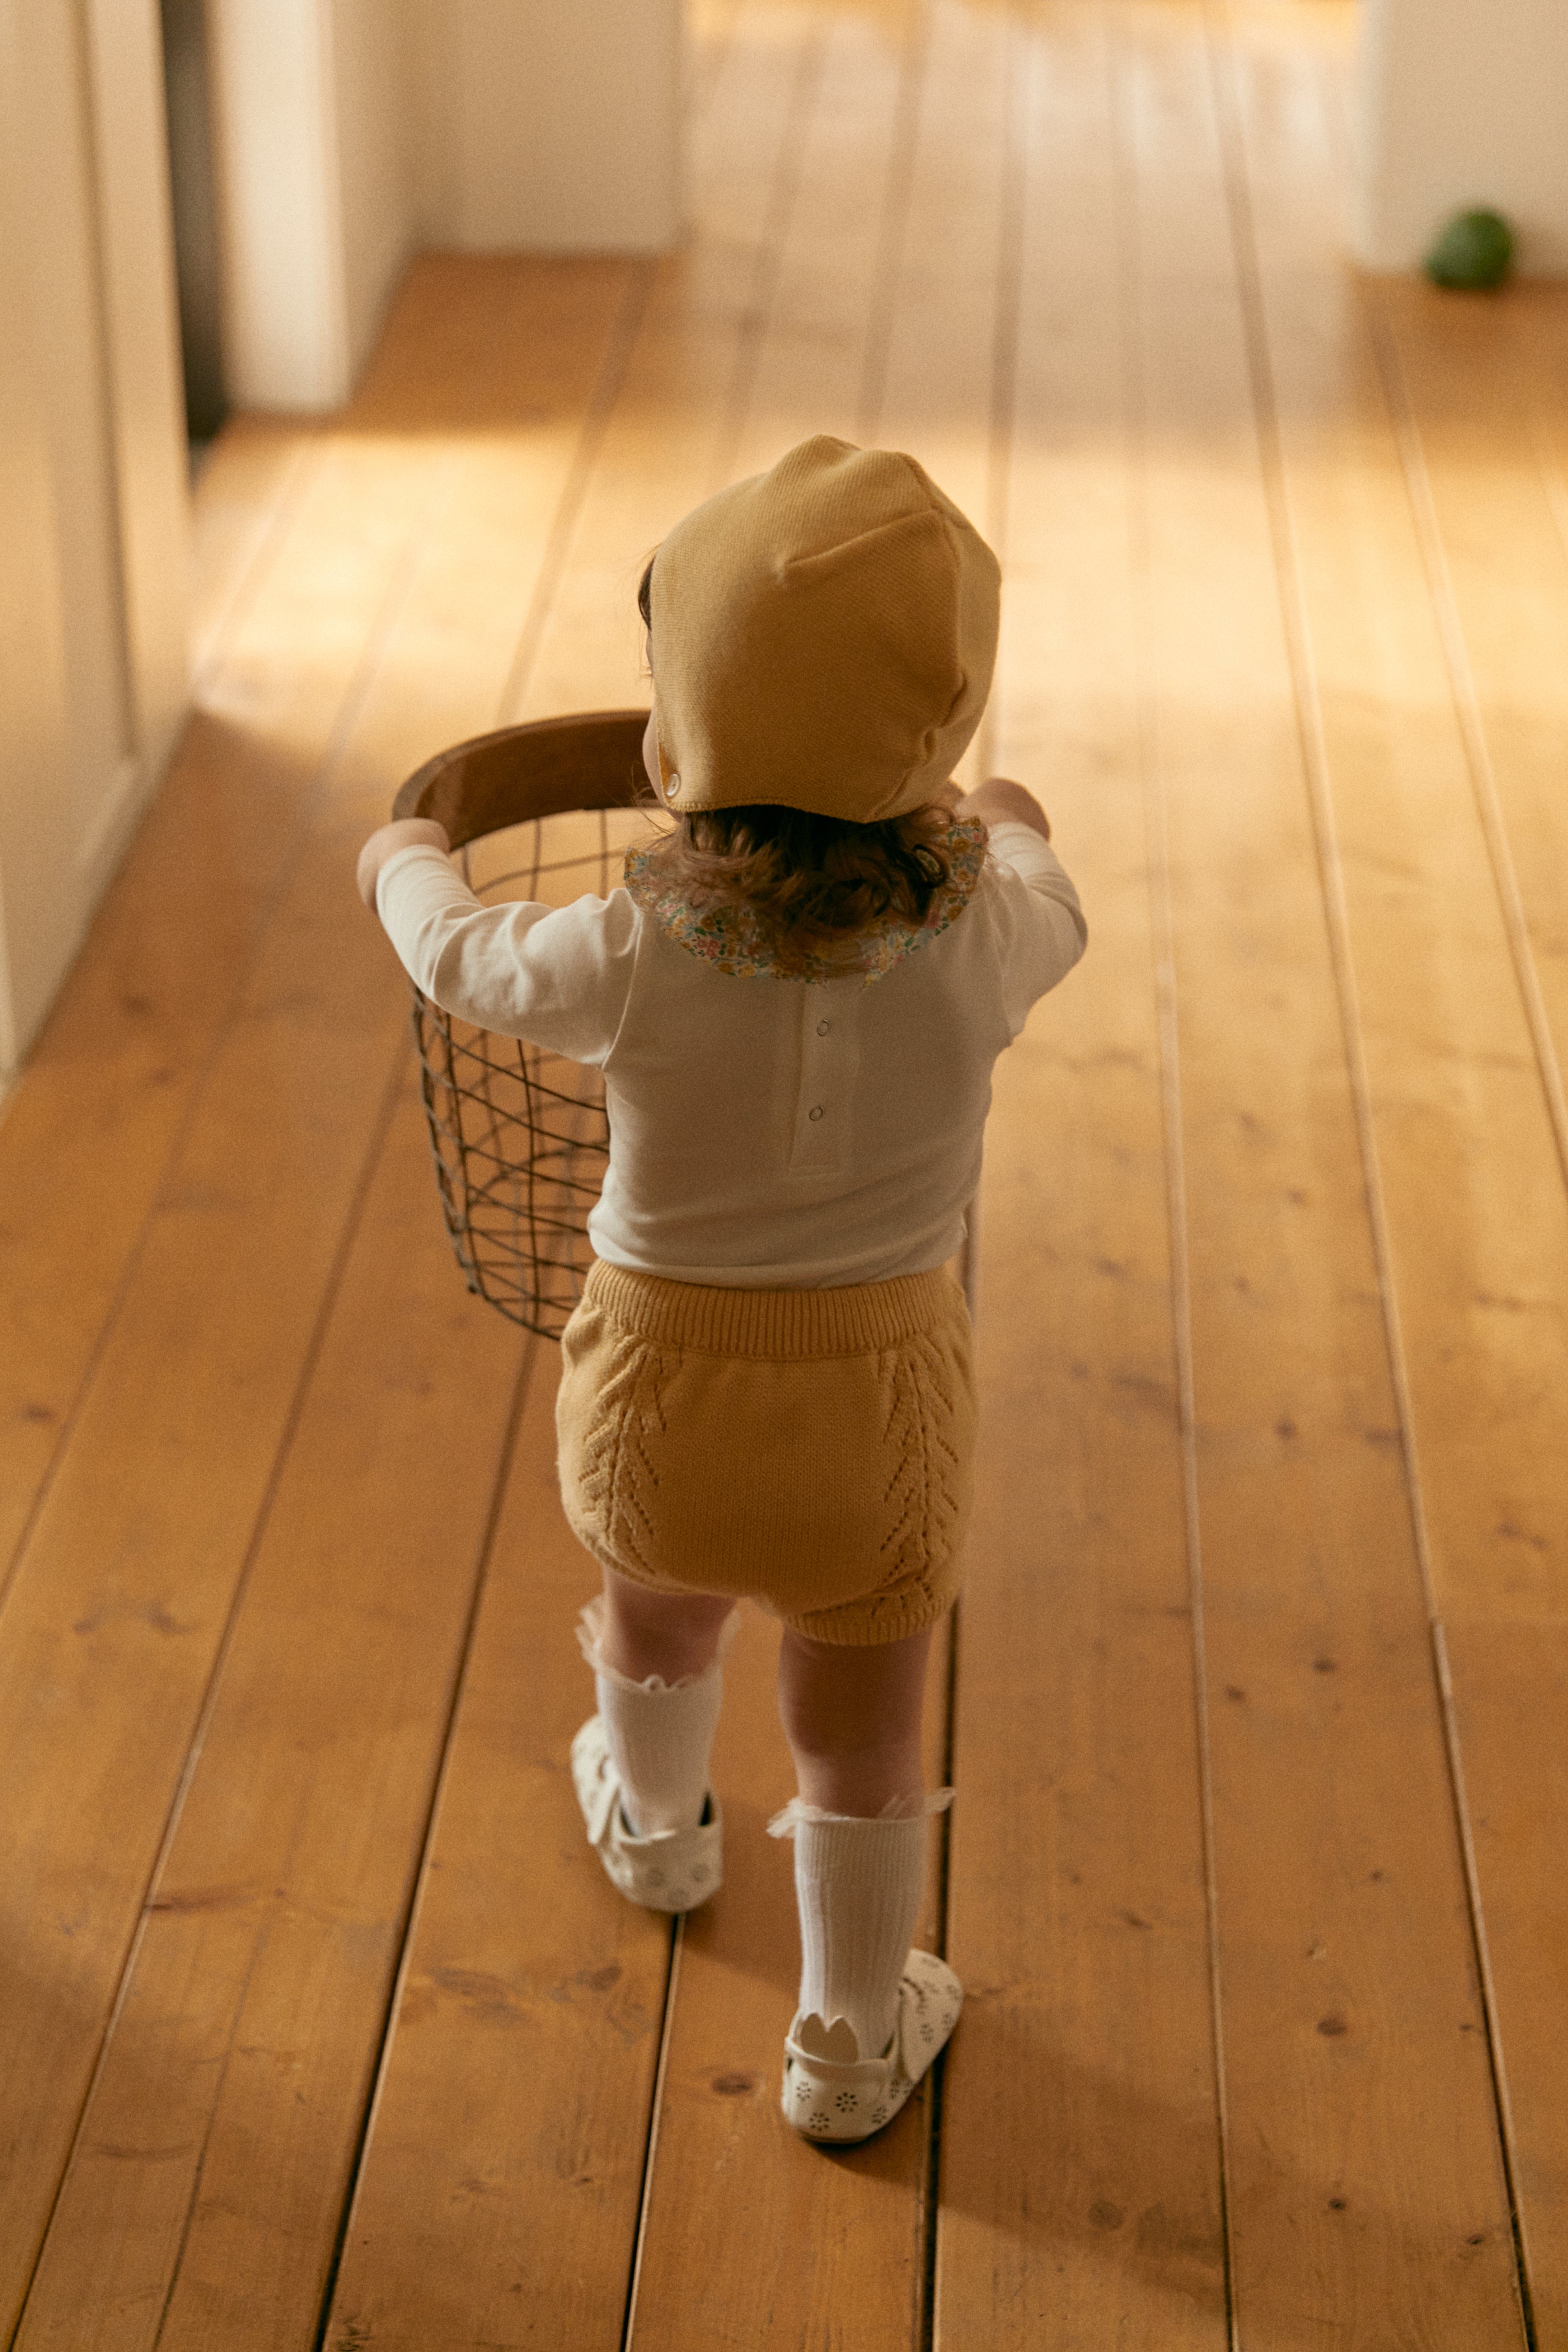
{"x":599,"y":1805}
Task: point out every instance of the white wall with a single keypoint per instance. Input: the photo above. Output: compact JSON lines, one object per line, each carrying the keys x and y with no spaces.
{"x":1463,"y":102}
{"x":546,"y":125}
{"x":135,"y":252}
{"x":37,"y":901}
{"x":284,"y":333}
{"x":310,"y":112}
{"x":374,"y":172}
{"x":92,"y":493}
{"x":348,"y":132}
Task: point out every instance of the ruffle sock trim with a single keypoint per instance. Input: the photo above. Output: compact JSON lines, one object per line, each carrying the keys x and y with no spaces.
{"x":914,"y":1807}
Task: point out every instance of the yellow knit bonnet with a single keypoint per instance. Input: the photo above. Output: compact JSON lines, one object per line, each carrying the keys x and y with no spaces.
{"x":823,"y":638}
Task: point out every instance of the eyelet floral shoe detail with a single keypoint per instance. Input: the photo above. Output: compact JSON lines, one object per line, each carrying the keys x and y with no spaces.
{"x":831,"y":2093}
{"x":674,"y":1871}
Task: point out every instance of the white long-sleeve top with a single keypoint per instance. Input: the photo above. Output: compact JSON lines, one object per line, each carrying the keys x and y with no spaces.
{"x":764,"y":1132}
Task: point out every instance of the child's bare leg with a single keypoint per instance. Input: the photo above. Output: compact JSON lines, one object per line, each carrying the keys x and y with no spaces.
{"x":852,"y":1717}
{"x":671,"y":1634}
{"x":657,"y":1678}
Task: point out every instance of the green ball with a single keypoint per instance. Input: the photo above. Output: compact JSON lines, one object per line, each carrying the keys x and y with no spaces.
{"x":1475,"y":250}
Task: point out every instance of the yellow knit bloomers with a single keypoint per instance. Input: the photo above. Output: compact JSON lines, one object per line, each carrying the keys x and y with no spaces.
{"x":810,"y":1449}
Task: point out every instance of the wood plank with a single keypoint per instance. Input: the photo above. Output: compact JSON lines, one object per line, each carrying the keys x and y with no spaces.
{"x":1364,"y":2171}
{"x":122,"y":1596}
{"x":272,"y":1930}
{"x":1469,"y":1181}
{"x":1080,"y":2174}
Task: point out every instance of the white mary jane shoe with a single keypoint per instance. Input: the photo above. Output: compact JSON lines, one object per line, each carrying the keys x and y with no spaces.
{"x":673,"y":1871}
{"x":832,"y":2094}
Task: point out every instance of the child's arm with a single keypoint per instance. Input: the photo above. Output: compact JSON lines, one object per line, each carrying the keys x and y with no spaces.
{"x":558,"y":975}
{"x":1036,"y":919}
{"x":409,"y":833}
{"x":999,"y":800}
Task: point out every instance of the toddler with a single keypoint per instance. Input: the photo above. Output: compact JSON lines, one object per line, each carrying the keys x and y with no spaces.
{"x":767,"y":1390}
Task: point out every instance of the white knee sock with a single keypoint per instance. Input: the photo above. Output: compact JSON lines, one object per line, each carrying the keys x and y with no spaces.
{"x":661,"y":1735}
{"x":859,"y":1886}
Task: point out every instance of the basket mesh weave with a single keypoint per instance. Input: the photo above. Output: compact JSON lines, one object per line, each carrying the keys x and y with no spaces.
{"x":520,"y":1135}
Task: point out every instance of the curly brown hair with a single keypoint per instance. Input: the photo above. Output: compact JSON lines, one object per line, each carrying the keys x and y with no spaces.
{"x":812,"y":882}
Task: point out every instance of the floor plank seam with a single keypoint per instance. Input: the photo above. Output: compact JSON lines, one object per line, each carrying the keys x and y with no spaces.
{"x":198,"y":2170}
{"x":1001,"y":422}
{"x":650,"y":2149}
{"x":1162,"y":931}
{"x":927,"y":2283}
{"x":1170,"y":1088}
{"x":1488,"y":1991}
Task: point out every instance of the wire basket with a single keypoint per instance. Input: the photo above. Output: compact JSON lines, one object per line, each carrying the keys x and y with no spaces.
{"x":520,"y":1136}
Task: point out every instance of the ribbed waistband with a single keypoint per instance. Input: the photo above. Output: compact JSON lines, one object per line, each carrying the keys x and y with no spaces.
{"x":853,"y":1320}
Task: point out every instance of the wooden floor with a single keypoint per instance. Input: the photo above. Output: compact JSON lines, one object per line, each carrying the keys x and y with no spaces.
{"x":317,"y":2024}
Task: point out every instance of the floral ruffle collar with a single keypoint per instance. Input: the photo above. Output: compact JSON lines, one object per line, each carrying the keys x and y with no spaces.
{"x":733,"y":941}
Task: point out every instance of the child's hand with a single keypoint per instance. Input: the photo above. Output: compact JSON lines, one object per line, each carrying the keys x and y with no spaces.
{"x":999,"y":800}
{"x":410,"y":832}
